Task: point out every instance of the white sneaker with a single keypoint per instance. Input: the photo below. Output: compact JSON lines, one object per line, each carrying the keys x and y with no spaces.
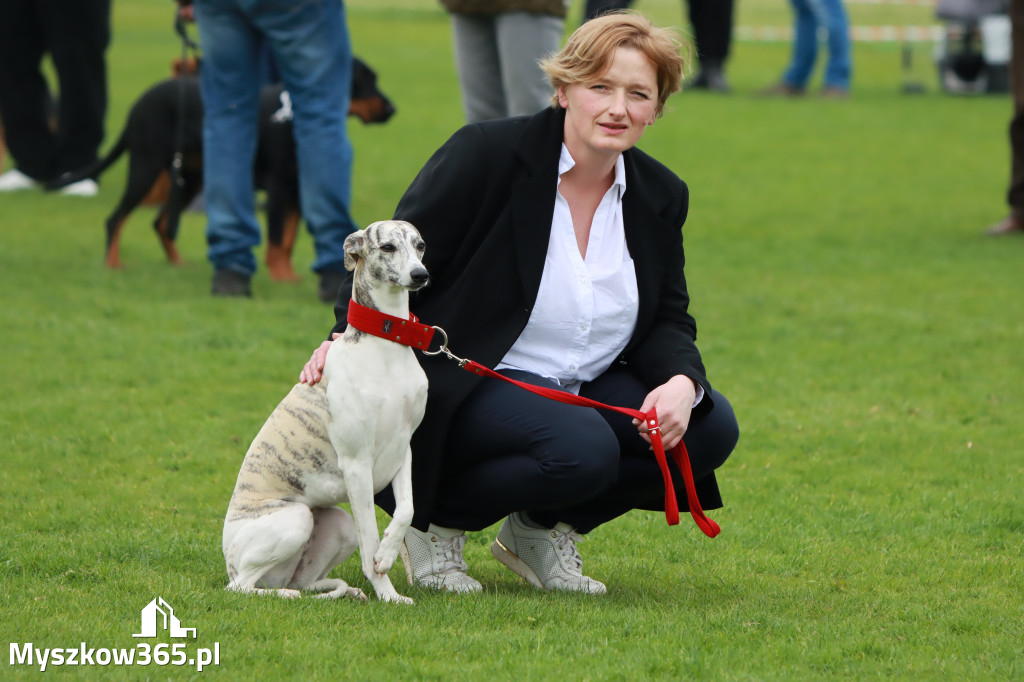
{"x":16,"y":181}
{"x":434,"y":559}
{"x":82,"y":188}
{"x":546,"y":557}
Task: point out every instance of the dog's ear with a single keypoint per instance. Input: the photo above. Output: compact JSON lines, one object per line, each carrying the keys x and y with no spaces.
{"x":354,"y":248}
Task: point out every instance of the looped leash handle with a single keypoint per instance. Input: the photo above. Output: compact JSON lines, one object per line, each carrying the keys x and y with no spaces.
{"x":682,"y":460}
{"x":679,"y":454}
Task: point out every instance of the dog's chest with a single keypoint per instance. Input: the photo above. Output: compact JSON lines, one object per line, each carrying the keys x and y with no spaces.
{"x":376,"y":396}
{"x":379,"y":380}
{"x":381,"y":449}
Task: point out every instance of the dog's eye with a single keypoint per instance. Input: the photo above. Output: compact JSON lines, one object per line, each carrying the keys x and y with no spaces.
{"x":421,"y":247}
{"x":388,"y":248}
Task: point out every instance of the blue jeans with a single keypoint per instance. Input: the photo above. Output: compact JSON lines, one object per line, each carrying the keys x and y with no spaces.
{"x":310,"y":43}
{"x":809,"y":16}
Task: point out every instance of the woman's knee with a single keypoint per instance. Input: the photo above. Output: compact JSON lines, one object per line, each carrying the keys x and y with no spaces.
{"x":586,"y":459}
{"x":714,"y":437}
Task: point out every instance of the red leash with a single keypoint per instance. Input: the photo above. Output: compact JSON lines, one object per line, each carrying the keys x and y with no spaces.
{"x":413,"y":333}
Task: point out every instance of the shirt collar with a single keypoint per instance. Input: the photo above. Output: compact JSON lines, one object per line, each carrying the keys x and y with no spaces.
{"x":566,"y":163}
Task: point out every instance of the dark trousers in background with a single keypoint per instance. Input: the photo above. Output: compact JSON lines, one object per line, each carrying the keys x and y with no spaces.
{"x":711,"y":20}
{"x":75,"y":33}
{"x":1015,"y":195}
{"x":511,"y":450}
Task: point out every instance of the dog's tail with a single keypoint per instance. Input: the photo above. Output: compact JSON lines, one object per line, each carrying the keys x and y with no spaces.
{"x":94,"y":170}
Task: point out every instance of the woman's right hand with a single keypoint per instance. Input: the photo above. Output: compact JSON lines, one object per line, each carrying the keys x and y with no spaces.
{"x":313,"y":370}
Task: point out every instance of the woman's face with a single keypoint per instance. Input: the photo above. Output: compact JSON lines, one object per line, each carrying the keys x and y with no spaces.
{"x":608,"y":115}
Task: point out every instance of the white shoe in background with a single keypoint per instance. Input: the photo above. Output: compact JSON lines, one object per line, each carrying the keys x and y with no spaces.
{"x":16,"y":181}
{"x":82,"y":188}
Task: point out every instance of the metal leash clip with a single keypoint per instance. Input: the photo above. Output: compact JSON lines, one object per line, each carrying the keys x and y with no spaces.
{"x":444,"y":349}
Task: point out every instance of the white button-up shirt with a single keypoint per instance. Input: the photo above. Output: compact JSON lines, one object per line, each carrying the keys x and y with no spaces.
{"x":586,"y":308}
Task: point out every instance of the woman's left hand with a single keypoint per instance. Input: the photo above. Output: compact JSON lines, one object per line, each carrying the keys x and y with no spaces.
{"x":674,"y":402}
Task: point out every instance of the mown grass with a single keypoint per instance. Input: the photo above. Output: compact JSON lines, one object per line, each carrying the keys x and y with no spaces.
{"x":867,"y":333}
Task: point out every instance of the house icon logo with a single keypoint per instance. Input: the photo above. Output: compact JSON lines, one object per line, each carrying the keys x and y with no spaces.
{"x":160,"y":612}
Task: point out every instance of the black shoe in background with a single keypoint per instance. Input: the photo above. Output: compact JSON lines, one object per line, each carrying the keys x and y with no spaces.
{"x":228,"y":282}
{"x":330,"y":283}
{"x":711,"y":77}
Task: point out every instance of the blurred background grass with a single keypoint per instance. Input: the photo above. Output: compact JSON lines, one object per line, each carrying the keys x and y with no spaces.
{"x":867,"y":333}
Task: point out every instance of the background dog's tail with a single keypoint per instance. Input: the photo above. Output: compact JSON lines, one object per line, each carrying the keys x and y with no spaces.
{"x":94,"y":170}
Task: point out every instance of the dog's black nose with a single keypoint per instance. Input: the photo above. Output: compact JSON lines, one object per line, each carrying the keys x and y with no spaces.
{"x":420,"y":276}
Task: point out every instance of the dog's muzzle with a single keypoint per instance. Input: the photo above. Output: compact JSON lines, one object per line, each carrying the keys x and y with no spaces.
{"x":420,"y":278}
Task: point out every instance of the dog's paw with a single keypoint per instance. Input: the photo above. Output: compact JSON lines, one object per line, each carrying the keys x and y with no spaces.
{"x":286,"y":593}
{"x":383,"y":561}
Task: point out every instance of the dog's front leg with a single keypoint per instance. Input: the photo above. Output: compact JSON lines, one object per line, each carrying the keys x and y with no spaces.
{"x":359,"y":483}
{"x":394,"y":534}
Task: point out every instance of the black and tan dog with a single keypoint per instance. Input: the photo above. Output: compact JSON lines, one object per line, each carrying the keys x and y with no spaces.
{"x":169,"y":116}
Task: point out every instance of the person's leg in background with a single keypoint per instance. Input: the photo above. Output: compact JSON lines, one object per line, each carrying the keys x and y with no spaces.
{"x":1013,"y":223}
{"x":229,"y":82}
{"x":314,"y":57}
{"x":839,"y":68}
{"x":24,"y":95}
{"x":596,"y":8}
{"x":77,"y":36}
{"x":712,"y":31}
{"x":479,"y":66}
{"x":1015,"y":196}
{"x":523,"y":39}
{"x":805,"y":46}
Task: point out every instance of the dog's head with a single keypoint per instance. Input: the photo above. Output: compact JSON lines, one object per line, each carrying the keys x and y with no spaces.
{"x":367,"y":102}
{"x":388,"y":252}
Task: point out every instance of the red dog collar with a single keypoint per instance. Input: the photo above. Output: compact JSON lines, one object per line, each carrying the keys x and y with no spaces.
{"x":407,"y":332}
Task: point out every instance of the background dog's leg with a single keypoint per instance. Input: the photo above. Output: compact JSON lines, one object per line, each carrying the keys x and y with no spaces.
{"x":142,"y":174}
{"x":115,"y":223}
{"x":163,"y":228}
{"x":167,"y":223}
{"x":282,"y":229}
{"x":394,"y":534}
{"x":359,"y":484}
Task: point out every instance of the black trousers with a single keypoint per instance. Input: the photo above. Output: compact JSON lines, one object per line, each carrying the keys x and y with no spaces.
{"x":75,"y":33}
{"x":711,"y":21}
{"x":511,"y":450}
{"x":1015,"y":194}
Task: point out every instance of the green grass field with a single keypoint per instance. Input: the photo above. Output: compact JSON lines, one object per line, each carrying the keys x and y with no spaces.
{"x":867,"y":333}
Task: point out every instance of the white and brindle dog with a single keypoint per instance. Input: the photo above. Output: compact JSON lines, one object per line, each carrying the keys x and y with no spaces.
{"x":341,"y":440}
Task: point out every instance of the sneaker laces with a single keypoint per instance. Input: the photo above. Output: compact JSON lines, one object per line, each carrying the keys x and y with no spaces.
{"x":565,"y":543}
{"x":449,"y":550}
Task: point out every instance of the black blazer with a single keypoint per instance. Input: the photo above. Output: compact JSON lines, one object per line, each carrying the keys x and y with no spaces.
{"x":484,"y":204}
